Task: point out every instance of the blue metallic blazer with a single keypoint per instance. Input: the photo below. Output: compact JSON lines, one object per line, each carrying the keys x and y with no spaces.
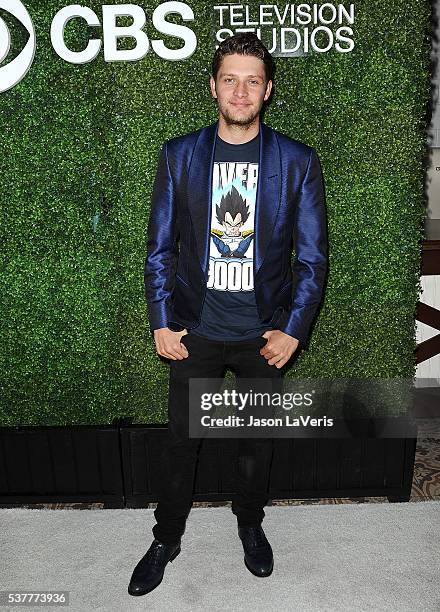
{"x":290,"y":212}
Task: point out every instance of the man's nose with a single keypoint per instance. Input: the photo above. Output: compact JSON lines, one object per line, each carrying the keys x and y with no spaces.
{"x":241,"y":89}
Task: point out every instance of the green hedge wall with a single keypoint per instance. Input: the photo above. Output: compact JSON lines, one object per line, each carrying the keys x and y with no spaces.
{"x":79,"y":152}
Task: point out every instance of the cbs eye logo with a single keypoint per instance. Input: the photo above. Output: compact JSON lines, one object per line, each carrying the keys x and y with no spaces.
{"x":13,"y":73}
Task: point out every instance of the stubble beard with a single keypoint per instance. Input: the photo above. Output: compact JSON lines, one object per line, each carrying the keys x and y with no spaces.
{"x":243,"y":120}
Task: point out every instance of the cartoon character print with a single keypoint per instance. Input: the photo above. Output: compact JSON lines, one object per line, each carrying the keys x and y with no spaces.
{"x":232,"y":213}
{"x":231,"y":250}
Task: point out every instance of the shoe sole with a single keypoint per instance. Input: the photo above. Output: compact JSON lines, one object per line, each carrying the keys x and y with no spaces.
{"x":258,"y":575}
{"x":171,"y":559}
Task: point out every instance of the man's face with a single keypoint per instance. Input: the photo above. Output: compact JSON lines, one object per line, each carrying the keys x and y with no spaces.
{"x":240,"y":88}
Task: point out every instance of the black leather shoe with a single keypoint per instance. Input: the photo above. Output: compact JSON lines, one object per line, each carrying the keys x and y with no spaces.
{"x":258,"y":555}
{"x":148,"y":573}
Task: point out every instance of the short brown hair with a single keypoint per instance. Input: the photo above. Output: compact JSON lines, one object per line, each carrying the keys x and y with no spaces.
{"x":244,"y":43}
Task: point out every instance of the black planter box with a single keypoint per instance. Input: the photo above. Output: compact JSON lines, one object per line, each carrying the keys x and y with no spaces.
{"x":118,"y":466}
{"x":301,"y":467}
{"x":68,"y":464}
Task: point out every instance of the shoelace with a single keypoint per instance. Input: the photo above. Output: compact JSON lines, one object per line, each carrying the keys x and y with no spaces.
{"x":259,"y":538}
{"x":154,"y":554}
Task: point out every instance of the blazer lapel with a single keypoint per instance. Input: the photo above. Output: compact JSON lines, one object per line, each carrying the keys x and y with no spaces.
{"x":268,"y":193}
{"x":199,"y":192}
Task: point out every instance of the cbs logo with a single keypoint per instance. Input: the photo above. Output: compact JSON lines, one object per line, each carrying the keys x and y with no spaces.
{"x":14,"y":72}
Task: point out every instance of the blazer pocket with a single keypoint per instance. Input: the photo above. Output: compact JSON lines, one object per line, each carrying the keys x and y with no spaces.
{"x":182,"y":280}
{"x":284,"y":287}
{"x":285,"y":294}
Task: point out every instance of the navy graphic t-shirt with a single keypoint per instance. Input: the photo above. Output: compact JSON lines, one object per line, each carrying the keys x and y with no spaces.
{"x":229,"y":310}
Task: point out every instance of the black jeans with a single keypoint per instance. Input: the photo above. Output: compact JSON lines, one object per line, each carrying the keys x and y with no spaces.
{"x":209,"y":359}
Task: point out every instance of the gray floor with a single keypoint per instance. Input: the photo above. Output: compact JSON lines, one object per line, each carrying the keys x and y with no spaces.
{"x":350,"y":557}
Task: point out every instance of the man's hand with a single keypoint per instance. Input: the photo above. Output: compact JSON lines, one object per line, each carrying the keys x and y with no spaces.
{"x":168,"y":343}
{"x":279,"y":347}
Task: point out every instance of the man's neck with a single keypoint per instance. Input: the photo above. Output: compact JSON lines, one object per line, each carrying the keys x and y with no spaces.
{"x":238,"y":134}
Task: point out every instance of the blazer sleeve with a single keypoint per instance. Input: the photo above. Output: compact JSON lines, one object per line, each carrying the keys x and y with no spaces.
{"x":310,"y":243}
{"x":162,"y":250}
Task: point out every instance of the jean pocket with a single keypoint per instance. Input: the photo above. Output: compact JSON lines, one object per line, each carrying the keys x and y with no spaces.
{"x":184,"y":337}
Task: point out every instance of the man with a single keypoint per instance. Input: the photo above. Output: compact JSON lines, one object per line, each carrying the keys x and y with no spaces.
{"x":236,"y":194}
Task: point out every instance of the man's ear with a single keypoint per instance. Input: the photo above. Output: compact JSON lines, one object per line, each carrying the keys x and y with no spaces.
{"x":268,"y":88}
{"x":212,"y":85}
